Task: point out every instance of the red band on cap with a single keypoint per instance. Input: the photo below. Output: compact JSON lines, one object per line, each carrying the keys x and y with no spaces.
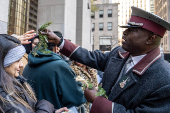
{"x":149,"y":25}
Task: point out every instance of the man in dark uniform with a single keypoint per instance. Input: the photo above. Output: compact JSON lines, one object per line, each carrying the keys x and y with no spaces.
{"x":136,"y":77}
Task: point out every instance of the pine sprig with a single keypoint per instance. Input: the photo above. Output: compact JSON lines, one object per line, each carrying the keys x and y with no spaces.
{"x":44,"y":26}
{"x":101,"y":92}
{"x":42,"y":45}
{"x":89,"y":85}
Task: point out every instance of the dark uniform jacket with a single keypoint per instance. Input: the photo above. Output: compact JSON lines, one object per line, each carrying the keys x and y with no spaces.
{"x":146,"y":86}
{"x":53,"y":79}
{"x":42,"y":106}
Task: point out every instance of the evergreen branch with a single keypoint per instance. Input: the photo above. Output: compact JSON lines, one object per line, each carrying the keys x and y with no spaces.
{"x":100,"y":92}
{"x":42,"y":45}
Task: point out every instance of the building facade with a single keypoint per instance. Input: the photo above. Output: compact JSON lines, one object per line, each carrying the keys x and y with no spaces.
{"x":33,"y":12}
{"x":105,"y":27}
{"x":16,"y":16}
{"x":83,"y":24}
{"x":162,"y":8}
{"x":71,"y":17}
{"x":152,"y":8}
{"x":4,"y":16}
{"x":102,"y":1}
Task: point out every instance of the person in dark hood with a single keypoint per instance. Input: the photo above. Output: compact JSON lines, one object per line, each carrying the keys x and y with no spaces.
{"x":53,"y":79}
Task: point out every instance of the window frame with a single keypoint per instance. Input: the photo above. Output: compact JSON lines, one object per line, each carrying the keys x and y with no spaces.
{"x":109,"y":23}
{"x":108,"y":13}
{"x":93,"y":27}
{"x":92,"y":14}
{"x":101,"y":29}
{"x":101,"y":14}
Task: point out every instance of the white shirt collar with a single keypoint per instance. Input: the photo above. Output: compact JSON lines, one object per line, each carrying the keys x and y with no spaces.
{"x":136,"y":59}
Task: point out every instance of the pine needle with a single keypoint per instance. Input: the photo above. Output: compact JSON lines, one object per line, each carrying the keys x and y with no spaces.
{"x":100,"y":92}
{"x":42,"y":45}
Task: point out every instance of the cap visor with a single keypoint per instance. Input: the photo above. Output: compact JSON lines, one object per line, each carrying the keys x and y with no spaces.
{"x":128,"y":26}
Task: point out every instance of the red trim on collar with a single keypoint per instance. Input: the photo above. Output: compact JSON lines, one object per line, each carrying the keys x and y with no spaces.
{"x":123,"y":53}
{"x":145,"y":62}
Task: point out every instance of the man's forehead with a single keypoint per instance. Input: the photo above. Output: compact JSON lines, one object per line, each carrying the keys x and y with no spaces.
{"x":137,"y":29}
{"x":134,"y":28}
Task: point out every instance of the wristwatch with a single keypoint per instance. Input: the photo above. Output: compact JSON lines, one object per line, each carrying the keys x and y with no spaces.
{"x":61,"y":40}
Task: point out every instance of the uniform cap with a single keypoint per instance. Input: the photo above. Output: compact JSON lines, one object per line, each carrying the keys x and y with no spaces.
{"x":147,"y":20}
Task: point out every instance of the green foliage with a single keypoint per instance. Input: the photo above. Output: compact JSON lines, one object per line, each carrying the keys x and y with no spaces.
{"x":84,"y":86}
{"x":90,"y":85}
{"x":94,"y":7}
{"x":42,"y":45}
{"x":44,"y":26}
{"x":101,"y":92}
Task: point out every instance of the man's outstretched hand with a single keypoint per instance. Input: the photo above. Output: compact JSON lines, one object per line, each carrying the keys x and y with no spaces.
{"x":90,"y":94}
{"x":53,"y":38}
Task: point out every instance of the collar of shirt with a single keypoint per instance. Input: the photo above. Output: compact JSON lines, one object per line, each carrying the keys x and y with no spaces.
{"x":145,"y":62}
{"x":136,"y":59}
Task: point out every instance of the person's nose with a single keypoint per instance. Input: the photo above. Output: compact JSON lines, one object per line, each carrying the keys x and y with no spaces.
{"x":21,"y":64}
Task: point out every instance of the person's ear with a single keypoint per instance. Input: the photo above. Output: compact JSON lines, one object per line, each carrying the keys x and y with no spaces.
{"x":151,"y":39}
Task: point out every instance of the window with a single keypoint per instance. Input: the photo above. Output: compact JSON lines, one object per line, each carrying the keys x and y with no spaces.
{"x":105,"y":43}
{"x":105,"y":47}
{"x":93,"y":27}
{"x":109,"y":26}
{"x":109,"y":13}
{"x":100,"y":26}
{"x":88,"y":6}
{"x":92,"y":15}
{"x":101,"y":14}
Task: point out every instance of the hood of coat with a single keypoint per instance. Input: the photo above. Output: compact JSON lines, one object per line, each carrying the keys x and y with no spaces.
{"x":42,"y":58}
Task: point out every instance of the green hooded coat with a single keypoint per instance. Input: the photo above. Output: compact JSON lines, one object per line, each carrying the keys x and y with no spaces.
{"x":52,"y":79}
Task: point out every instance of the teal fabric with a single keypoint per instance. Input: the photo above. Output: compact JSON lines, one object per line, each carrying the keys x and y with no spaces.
{"x":52,"y":79}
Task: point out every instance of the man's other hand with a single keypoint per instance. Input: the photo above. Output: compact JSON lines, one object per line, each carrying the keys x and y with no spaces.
{"x":90,"y":94}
